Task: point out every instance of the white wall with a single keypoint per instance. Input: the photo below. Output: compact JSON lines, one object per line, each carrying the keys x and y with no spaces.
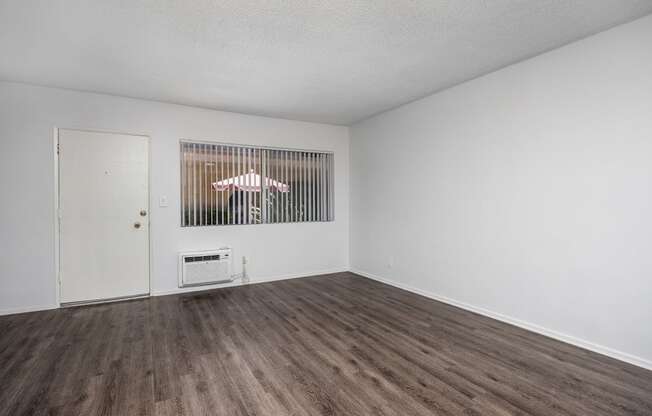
{"x":28,"y":115}
{"x":525,"y":194}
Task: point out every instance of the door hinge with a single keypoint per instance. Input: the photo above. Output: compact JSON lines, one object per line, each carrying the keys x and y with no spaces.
{"x":58,"y":148}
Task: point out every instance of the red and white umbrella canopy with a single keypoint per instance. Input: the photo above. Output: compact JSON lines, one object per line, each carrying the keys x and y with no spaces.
{"x":249,"y":182}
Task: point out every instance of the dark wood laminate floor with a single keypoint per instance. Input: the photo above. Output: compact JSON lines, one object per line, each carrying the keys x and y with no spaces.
{"x":327,"y":345}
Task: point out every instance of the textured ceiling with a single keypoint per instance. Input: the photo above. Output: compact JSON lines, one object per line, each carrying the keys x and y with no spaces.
{"x":330,"y":61}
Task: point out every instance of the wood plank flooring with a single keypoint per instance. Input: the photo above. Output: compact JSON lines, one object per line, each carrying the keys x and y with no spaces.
{"x":326,"y":345}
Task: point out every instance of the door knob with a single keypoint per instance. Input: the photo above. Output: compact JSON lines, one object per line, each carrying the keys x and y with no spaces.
{"x":137,"y":225}
{"x":143,"y":213}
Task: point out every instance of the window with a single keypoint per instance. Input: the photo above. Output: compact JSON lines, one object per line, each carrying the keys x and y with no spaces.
{"x":224,"y":184}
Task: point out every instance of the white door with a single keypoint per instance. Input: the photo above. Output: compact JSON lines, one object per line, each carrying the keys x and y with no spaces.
{"x":104,"y":216}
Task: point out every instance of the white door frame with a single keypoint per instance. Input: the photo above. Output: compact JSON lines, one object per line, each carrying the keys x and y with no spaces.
{"x":57,"y":218}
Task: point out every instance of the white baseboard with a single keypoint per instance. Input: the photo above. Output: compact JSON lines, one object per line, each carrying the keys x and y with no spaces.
{"x":569,"y":339}
{"x":252,"y":281}
{"x":13,"y":311}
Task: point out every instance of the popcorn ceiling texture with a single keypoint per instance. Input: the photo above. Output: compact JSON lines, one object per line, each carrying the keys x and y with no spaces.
{"x":327,"y":61}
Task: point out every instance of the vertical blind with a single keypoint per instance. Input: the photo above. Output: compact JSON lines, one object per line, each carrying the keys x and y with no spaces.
{"x":225,"y":184}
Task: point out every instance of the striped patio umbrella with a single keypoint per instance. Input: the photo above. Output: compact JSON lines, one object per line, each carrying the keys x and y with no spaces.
{"x":250,"y":182}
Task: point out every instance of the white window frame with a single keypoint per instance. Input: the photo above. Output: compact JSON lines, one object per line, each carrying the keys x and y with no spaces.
{"x":299,"y":186}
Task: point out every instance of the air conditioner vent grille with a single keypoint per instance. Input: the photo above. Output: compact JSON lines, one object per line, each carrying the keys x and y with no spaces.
{"x":204,"y":258}
{"x":203,"y":268}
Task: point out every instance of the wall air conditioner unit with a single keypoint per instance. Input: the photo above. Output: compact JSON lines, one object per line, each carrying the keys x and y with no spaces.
{"x":205,"y":267}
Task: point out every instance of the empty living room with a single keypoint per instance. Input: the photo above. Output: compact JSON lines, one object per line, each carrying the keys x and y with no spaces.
{"x":320,"y":208}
